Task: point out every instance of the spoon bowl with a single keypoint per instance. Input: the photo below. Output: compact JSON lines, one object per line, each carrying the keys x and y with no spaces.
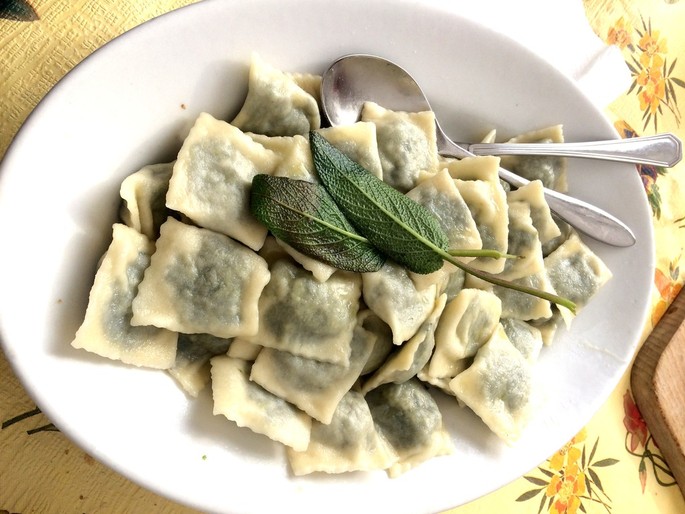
{"x":355,"y":79}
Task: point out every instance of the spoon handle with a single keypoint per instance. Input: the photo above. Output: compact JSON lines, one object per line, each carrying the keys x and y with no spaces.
{"x":660,"y":150}
{"x":585,"y":217}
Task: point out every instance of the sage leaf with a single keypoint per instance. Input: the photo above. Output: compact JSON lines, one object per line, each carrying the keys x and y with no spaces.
{"x":401,"y":228}
{"x":305,"y":216}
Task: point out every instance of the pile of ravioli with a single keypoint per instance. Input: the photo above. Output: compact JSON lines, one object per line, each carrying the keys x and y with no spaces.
{"x":339,"y":367}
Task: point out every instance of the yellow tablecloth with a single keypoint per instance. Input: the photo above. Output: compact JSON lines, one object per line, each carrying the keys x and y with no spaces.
{"x":612,"y":465}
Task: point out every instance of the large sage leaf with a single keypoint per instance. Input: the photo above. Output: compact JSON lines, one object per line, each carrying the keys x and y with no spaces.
{"x":305,"y":216}
{"x":403,"y":229}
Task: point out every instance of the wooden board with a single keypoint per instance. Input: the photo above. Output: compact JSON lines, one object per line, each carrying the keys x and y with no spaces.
{"x":658,"y":384}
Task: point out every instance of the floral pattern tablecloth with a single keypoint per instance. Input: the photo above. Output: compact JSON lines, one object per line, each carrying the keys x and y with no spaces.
{"x":611,"y":466}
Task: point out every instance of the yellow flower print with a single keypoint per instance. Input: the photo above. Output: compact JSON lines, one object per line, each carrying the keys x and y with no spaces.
{"x":570,"y":479}
{"x":651,"y":61}
{"x":619,"y":34}
{"x":651,"y":45}
{"x":652,"y":95}
{"x":566,"y":489}
{"x":556,"y":462}
{"x":648,"y":75}
{"x":654,"y":83}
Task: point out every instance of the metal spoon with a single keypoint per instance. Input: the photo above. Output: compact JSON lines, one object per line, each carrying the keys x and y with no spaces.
{"x":354,"y":79}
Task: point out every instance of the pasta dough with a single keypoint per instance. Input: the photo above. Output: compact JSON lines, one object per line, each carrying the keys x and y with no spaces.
{"x":249,"y":405}
{"x":107,"y":329}
{"x":497,"y":386}
{"x":212,"y":177}
{"x":349,"y":442}
{"x":315,"y":387}
{"x":200,"y":281}
{"x":303,"y":316}
{"x":276,"y":105}
{"x":392,"y":295}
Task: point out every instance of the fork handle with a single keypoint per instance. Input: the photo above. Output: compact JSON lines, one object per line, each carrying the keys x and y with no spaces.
{"x":660,"y":150}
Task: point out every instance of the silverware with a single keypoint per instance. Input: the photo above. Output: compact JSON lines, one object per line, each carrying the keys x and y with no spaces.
{"x":354,"y":79}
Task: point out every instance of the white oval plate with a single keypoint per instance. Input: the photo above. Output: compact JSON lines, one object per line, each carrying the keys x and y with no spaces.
{"x":133,"y":101}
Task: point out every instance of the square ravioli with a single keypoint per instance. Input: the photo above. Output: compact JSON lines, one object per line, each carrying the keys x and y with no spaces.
{"x":497,"y":386}
{"x":440,"y":196}
{"x":212,"y":178}
{"x":313,"y":386}
{"x":406,"y":144}
{"x":393,"y":296}
{"x":478,"y":183}
{"x":349,"y":442}
{"x":276,"y":105}
{"x":312,"y":319}
{"x":249,"y":405}
{"x":106,"y":329}
{"x":201,"y":281}
{"x":408,"y":418}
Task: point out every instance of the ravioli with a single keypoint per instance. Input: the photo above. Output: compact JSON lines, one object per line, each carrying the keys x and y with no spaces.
{"x":315,"y":387}
{"x":412,"y":356}
{"x":201,"y":282}
{"x":467,"y":322}
{"x":191,"y":367}
{"x":349,"y":442}
{"x":358,"y":142}
{"x":276,"y":105}
{"x":320,"y":270}
{"x":407,"y":416}
{"x":406,"y":144}
{"x":392,"y":295}
{"x":249,"y":405}
{"x":212,"y":177}
{"x":524,"y":243}
{"x":440,"y":196}
{"x":107,"y":329}
{"x":550,"y":170}
{"x":497,"y":387}
{"x":525,"y":337}
{"x":293,"y":153}
{"x":478,"y":183}
{"x":382,"y":345}
{"x":312,"y":319}
{"x":532,"y":194}
{"x":144,"y":198}
{"x":575,"y":271}
{"x":516,"y":304}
